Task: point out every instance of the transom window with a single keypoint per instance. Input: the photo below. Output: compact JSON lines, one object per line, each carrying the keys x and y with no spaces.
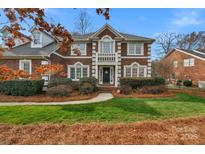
{"x":78,"y":46}
{"x":106,"y":45}
{"x":135,"y":48}
{"x":25,"y":65}
{"x":135,"y":70}
{"x":36,"y":37}
{"x":189,"y":62}
{"x":77,"y":71}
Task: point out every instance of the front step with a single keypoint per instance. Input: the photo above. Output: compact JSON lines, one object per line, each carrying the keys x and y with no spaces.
{"x":106,"y":89}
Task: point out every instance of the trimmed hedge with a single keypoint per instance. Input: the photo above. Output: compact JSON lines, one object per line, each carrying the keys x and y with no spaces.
{"x":153,"y":89}
{"x":59,"y":81}
{"x":137,"y":83}
{"x":91,"y":80}
{"x":187,"y":83}
{"x":126,"y":89}
{"x":59,"y":91}
{"x":86,"y":88}
{"x":21,"y":87}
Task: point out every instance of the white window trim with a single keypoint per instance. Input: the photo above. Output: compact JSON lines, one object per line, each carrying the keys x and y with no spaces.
{"x":75,"y":66}
{"x":33,"y":45}
{"x":128,"y":49}
{"x":101,"y":40}
{"x":30,"y":65}
{"x":131,"y":66}
{"x":189,"y":62}
{"x":175,"y":64}
{"x":85,"y":52}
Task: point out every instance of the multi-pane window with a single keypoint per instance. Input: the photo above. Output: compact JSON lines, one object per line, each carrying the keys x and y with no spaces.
{"x":25,"y":65}
{"x":78,"y":46}
{"x":189,"y":62}
{"x":135,"y":70}
{"x":106,"y":45}
{"x":127,"y":71}
{"x":135,"y":48}
{"x":78,"y":71}
{"x":175,"y":63}
{"x":36,"y":37}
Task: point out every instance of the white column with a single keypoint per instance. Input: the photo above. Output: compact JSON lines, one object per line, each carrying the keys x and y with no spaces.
{"x":149,"y":67}
{"x":94,"y":59}
{"x":118,"y":65}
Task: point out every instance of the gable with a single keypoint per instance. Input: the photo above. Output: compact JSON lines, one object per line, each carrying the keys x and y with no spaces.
{"x":190,"y":53}
{"x":107,"y":30}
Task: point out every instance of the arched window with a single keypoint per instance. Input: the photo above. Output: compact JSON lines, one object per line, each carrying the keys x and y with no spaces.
{"x":77,"y":71}
{"x":135,"y":70}
{"x":106,"y":45}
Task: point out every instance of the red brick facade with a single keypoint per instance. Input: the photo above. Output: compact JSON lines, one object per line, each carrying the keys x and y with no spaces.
{"x":121,"y":44}
{"x":195,"y":73}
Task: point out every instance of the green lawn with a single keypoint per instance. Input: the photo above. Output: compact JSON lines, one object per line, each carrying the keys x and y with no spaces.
{"x":115,"y":111}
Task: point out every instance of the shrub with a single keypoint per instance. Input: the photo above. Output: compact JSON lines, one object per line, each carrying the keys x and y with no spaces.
{"x":86,"y":88}
{"x":126,"y":89}
{"x":21,"y":87}
{"x":153,"y":89}
{"x":91,"y":80}
{"x":179,"y":83}
{"x":187,"y":83}
{"x":59,"y":81}
{"x":59,"y":91}
{"x":137,"y":83}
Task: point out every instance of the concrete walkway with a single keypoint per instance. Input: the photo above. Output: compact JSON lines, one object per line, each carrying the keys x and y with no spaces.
{"x":99,"y":98}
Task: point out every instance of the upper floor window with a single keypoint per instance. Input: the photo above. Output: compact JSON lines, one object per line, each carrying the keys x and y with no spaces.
{"x":25,"y":65}
{"x":189,"y":62}
{"x":36,"y":38}
{"x":135,"y":48}
{"x":106,"y":45}
{"x":175,"y":63}
{"x":78,"y":46}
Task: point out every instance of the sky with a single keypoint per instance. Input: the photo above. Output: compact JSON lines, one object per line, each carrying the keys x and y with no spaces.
{"x":143,"y":22}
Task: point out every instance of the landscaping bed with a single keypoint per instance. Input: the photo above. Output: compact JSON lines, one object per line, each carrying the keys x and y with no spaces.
{"x":75,"y":96}
{"x":177,"y":131}
{"x":140,"y":95}
{"x":196,"y":91}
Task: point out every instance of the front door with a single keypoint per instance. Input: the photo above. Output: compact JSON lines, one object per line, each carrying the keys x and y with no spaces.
{"x":106,"y":75}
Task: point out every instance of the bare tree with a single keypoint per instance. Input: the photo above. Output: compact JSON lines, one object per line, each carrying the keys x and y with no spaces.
{"x":83,"y":22}
{"x":165,"y":42}
{"x":192,"y":41}
{"x":161,"y":68}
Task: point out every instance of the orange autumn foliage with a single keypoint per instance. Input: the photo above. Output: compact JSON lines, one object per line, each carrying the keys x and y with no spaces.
{"x":7,"y":73}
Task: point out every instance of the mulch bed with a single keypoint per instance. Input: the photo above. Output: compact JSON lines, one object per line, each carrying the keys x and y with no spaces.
{"x":75,"y":96}
{"x":140,"y":95}
{"x":178,"y":131}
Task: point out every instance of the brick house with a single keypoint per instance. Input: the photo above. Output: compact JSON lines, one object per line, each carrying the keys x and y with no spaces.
{"x":186,"y":65}
{"x":106,"y":54}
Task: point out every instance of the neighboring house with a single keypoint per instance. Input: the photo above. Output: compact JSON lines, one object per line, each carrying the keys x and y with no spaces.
{"x":106,"y":55}
{"x":186,"y":65}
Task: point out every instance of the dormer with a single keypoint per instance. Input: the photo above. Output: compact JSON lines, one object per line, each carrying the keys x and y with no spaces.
{"x":5,"y":34}
{"x":40,"y":38}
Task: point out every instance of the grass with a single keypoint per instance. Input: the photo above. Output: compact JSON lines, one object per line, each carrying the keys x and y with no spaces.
{"x":117,"y":110}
